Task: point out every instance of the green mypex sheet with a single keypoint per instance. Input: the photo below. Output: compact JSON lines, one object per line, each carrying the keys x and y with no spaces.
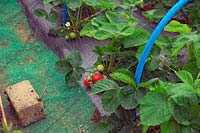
{"x":24,"y":57}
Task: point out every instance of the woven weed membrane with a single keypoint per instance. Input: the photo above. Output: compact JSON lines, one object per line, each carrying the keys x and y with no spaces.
{"x":24,"y":57}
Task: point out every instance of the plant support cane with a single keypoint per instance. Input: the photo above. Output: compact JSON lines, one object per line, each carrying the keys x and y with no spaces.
{"x":3,"y":112}
{"x":155,"y":35}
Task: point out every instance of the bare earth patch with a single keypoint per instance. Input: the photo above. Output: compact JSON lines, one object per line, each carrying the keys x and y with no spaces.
{"x":23,"y":33}
{"x":4,"y":44}
{"x":1,"y":74}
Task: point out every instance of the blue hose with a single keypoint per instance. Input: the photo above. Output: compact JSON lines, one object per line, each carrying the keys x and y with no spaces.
{"x":64,"y":14}
{"x":155,"y":35}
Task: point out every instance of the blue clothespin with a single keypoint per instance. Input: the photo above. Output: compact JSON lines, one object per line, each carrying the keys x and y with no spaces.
{"x":64,"y":14}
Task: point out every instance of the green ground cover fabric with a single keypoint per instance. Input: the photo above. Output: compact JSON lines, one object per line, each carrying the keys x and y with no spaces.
{"x":25,"y":57}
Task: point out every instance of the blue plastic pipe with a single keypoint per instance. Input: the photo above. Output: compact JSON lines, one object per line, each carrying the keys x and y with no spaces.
{"x":64,"y":14}
{"x":155,"y":35}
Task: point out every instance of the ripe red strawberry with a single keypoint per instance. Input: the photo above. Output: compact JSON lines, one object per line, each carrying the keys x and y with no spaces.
{"x":147,"y":7}
{"x":97,"y":77}
{"x":87,"y":82}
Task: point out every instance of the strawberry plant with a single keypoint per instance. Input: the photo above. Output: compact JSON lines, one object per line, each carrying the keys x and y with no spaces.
{"x":71,"y":66}
{"x":188,"y":15}
{"x":9,"y":128}
{"x":170,"y":103}
{"x":75,"y":14}
{"x":167,"y":100}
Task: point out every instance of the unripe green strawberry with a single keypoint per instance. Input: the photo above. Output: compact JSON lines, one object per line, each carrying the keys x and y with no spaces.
{"x":72,"y":35}
{"x":91,"y":75}
{"x":95,"y":69}
{"x":66,"y":37}
{"x":100,"y":68}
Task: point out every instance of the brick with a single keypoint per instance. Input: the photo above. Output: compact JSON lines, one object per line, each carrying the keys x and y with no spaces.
{"x":26,"y":102}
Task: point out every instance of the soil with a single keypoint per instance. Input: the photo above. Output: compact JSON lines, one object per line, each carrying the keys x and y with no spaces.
{"x":155,"y":129}
{"x":23,"y":34}
{"x":4,"y":44}
{"x":96,"y":117}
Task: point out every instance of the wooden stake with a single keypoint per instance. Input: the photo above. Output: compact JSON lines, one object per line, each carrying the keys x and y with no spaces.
{"x":3,"y":112}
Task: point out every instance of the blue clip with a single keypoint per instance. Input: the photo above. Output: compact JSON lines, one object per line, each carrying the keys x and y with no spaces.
{"x":64,"y":14}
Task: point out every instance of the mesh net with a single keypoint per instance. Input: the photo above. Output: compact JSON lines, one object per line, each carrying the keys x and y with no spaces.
{"x":24,"y":57}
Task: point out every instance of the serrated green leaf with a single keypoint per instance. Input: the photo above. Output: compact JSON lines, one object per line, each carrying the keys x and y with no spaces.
{"x":80,"y":70}
{"x":127,"y":128}
{"x":183,"y":114}
{"x":197,"y":86}
{"x":75,"y":59}
{"x":73,"y":4}
{"x":72,"y":78}
{"x":40,"y":12}
{"x":99,"y":21}
{"x":104,"y":126}
{"x":188,"y":116}
{"x":148,"y":83}
{"x":153,"y":64}
{"x":124,"y":76}
{"x":88,"y":30}
{"x":127,"y":100}
{"x":104,"y":85}
{"x":110,"y":100}
{"x":63,"y":66}
{"x":155,"y":109}
{"x":53,"y":17}
{"x":100,"y":50}
{"x":160,"y":86}
{"x":182,"y":94}
{"x":177,"y":48}
{"x":182,"y":40}
{"x":139,"y":52}
{"x":175,"y":26}
{"x":197,"y":51}
{"x":132,"y":3}
{"x":106,"y":4}
{"x":101,"y":4}
{"x":138,"y":38}
{"x":191,"y":66}
{"x":73,"y":62}
{"x":127,"y":30}
{"x":102,"y":35}
{"x":139,"y":95}
{"x":113,"y":17}
{"x":191,"y":52}
{"x":155,"y":52}
{"x":186,"y":77}
{"x":195,"y":121}
{"x":171,"y":126}
{"x":17,"y":131}
{"x":154,"y":14}
{"x":109,"y":27}
{"x":163,"y":41}
{"x":47,"y":1}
